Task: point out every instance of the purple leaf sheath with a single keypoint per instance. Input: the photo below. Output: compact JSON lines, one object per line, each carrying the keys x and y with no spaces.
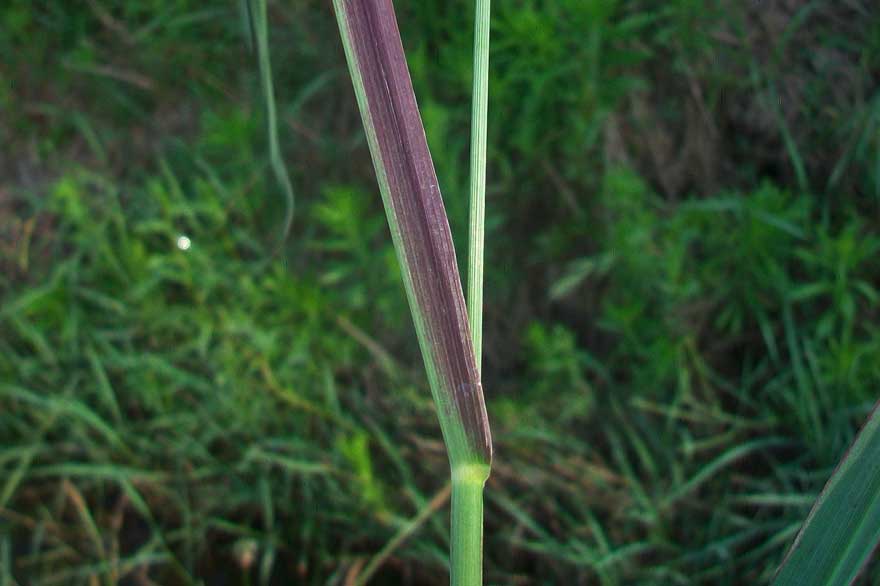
{"x":418,"y":222}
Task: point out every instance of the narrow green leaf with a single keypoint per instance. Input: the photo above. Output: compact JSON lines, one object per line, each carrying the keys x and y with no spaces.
{"x":844,"y":526}
{"x":258,"y":29}
{"x":418,"y":222}
{"x":479,"y":121}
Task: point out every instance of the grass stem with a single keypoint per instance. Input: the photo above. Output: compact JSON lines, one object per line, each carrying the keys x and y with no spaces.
{"x":467,"y":483}
{"x":467,"y":525}
{"x":260,"y":29}
{"x":479,"y":117}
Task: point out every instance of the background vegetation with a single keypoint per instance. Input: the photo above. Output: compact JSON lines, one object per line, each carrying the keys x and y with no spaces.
{"x":682,"y":292}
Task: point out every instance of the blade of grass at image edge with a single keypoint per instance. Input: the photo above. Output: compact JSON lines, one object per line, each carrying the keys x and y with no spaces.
{"x":423,"y":242}
{"x":479,"y":119}
{"x":843,"y":528}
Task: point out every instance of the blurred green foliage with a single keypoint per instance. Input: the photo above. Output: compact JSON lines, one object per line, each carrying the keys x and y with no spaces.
{"x":682,"y":292}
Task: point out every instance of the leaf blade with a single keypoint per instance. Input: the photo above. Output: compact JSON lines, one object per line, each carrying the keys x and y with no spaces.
{"x":843,"y":528}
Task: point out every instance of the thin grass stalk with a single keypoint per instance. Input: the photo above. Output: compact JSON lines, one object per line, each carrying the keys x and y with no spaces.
{"x":256,"y":11}
{"x":466,"y":557}
{"x":423,"y":242}
{"x":479,"y":123}
{"x":467,"y":490}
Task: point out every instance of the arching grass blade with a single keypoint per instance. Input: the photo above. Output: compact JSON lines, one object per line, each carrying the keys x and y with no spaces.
{"x":843,"y":529}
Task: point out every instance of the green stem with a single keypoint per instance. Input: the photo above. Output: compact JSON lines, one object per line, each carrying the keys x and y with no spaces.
{"x":479,"y":116}
{"x":467,"y":525}
{"x":260,"y":24}
{"x":468,"y":481}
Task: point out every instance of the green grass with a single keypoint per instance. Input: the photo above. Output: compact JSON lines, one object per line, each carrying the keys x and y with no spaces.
{"x":680,"y":341}
{"x":841,"y":532}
